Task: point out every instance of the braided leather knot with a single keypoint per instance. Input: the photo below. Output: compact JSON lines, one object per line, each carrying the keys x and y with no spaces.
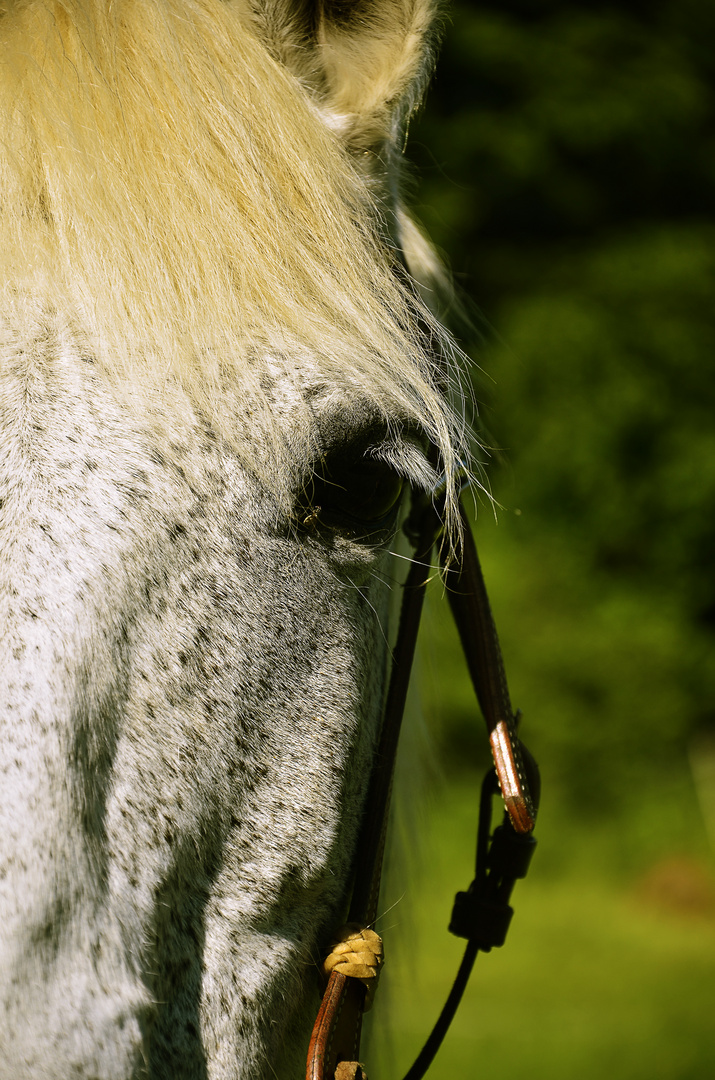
{"x":356,"y":952}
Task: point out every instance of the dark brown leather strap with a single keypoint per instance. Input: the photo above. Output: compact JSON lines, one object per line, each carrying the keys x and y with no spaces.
{"x":480,"y":643}
{"x":371,"y":846}
{"x":336,"y":1036}
{"x":337,"y":1029}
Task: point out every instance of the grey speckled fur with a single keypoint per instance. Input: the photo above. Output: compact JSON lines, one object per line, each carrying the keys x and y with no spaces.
{"x":190,"y":694}
{"x":191,"y":687}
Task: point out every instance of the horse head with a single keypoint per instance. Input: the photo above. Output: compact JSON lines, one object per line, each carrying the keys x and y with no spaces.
{"x":218,"y":386}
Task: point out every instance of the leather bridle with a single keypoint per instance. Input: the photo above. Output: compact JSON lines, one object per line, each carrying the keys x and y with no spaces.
{"x":482,"y":913}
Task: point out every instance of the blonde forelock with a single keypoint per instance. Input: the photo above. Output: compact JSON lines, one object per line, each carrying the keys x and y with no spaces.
{"x":174,"y":188}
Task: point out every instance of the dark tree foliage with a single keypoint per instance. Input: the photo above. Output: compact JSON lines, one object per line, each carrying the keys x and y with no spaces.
{"x":570,"y":177}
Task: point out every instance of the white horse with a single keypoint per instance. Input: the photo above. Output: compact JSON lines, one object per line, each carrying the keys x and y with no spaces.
{"x":217,"y":387}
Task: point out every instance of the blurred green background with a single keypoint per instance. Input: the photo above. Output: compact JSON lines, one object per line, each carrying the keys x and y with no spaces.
{"x":565,"y":164}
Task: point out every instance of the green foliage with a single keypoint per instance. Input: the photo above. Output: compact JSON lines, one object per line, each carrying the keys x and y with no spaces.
{"x":608,"y":376}
{"x":570,"y":173}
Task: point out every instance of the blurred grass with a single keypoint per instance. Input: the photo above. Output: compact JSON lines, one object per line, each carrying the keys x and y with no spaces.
{"x":609,"y":967}
{"x":604,"y":972}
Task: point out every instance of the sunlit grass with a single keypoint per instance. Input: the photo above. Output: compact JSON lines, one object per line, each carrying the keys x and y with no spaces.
{"x":596,"y":978}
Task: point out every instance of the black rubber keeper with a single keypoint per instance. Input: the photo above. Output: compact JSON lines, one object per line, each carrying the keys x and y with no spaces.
{"x":510,"y":853}
{"x":483,"y":923}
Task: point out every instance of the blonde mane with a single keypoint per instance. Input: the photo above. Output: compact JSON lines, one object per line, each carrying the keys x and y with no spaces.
{"x":173,"y":190}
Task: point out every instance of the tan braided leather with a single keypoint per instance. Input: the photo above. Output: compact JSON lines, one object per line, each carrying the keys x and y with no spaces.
{"x":357,"y":952}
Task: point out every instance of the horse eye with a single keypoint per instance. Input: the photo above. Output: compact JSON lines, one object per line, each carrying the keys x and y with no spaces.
{"x":361,"y":497}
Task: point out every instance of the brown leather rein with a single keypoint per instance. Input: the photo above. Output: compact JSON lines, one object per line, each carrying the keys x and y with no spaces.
{"x":482,"y":914}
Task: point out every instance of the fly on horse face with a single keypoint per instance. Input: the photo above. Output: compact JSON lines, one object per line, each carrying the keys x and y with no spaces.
{"x":222,"y":382}
{"x":218,"y":386}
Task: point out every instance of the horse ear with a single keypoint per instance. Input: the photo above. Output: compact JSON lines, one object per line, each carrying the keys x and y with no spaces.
{"x":376,"y":56}
{"x":365,"y":61}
